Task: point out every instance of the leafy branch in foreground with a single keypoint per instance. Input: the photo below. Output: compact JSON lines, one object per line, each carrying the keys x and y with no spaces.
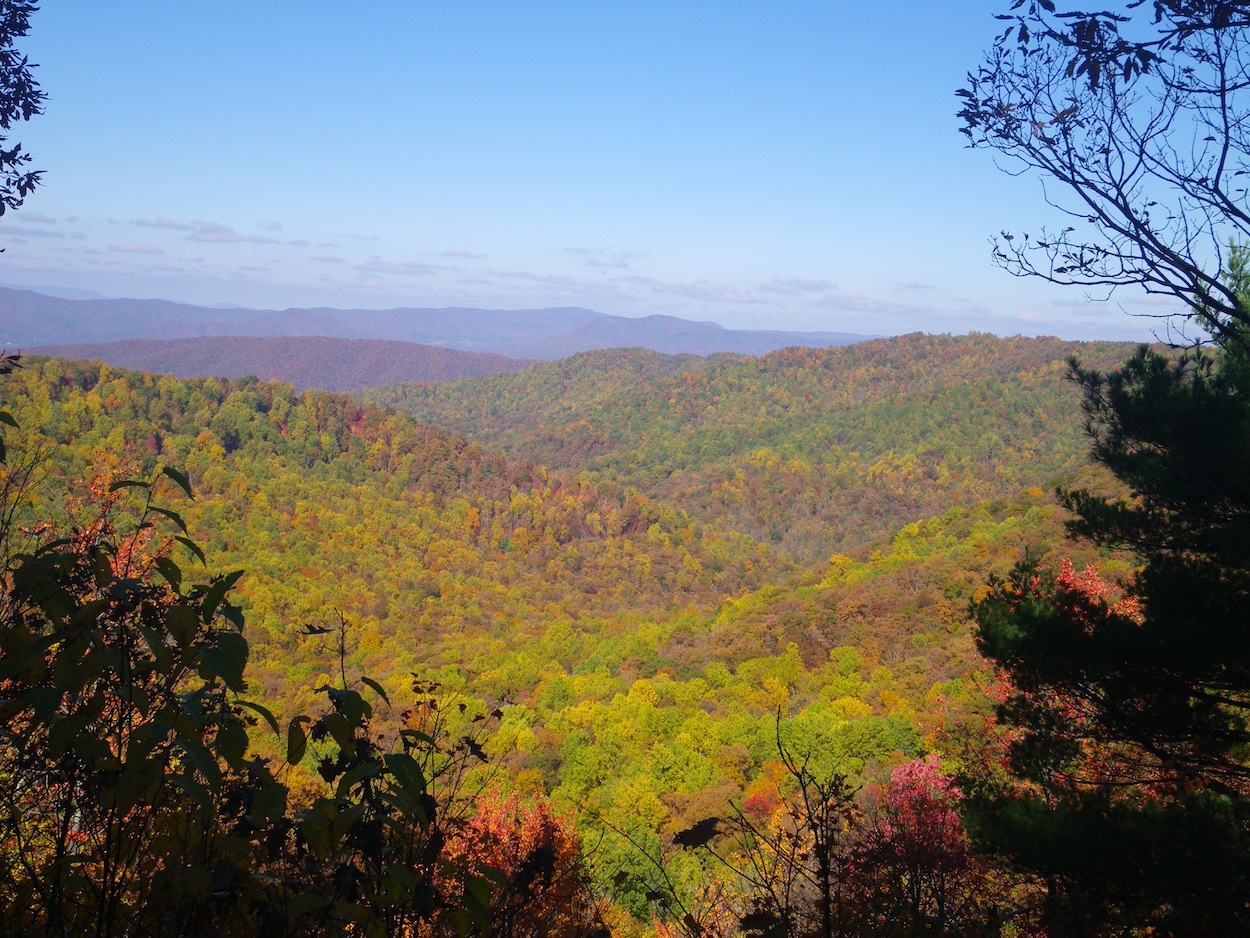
{"x":1137,"y":127}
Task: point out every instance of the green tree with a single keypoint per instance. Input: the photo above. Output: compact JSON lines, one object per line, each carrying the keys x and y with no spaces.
{"x":1134,"y":702}
{"x":133,"y":801}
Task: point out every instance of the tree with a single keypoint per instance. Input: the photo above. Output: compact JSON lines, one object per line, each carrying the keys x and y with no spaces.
{"x":538,"y":885}
{"x":914,"y":872}
{"x":20,"y":99}
{"x":1140,"y":128}
{"x":791,"y":848}
{"x":133,"y":801}
{"x":1133,"y":701}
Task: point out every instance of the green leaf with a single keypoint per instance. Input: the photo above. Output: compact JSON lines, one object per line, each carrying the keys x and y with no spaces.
{"x":193,"y":789}
{"x":350,"y":703}
{"x":344,"y":733}
{"x":181,"y":480}
{"x":145,"y":738}
{"x":195,"y":882}
{"x":227,"y":660}
{"x":217,"y":592}
{"x":170,"y":571}
{"x":191,"y":546}
{"x":232,"y":614}
{"x":87,"y":614}
{"x":406,"y":770}
{"x":231,"y":744}
{"x":306,"y":904}
{"x":202,"y":759}
{"x":128,"y":484}
{"x":44,"y":701}
{"x":268,"y":804}
{"x":296,"y":740}
{"x":64,"y":732}
{"x":355,"y":774}
{"x":477,"y":890}
{"x":376,"y":688}
{"x":137,"y":782}
{"x":264,"y":712}
{"x":183,"y":625}
{"x":410,"y":786}
{"x":315,"y":827}
{"x":171,"y":515}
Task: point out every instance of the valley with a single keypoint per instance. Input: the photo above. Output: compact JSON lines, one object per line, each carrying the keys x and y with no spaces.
{"x":654,"y":568}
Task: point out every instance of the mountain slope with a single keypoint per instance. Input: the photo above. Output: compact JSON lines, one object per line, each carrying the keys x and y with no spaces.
{"x":645,"y":666}
{"x":815,"y":451}
{"x":426,"y":540}
{"x":305,"y":361}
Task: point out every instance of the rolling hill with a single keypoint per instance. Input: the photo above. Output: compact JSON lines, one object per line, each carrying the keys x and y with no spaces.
{"x":592,"y":574}
{"x":326,"y":364}
{"x":814,"y":451}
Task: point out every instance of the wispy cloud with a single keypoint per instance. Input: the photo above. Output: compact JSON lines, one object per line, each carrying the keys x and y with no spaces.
{"x":39,"y":217}
{"x":795,"y":286}
{"x":221,"y":234}
{"x":132,"y":247}
{"x":564,"y":286}
{"x":614,"y":263}
{"x":468,"y":255}
{"x":698,"y":290}
{"x":162,"y":222}
{"x":378,"y":266}
{"x":560,"y":280}
{"x":606,"y":258}
{"x":30,"y":232}
{"x":628,"y":255}
{"x":858,"y":303}
{"x":327,"y":259}
{"x":270,"y":226}
{"x":207,"y":231}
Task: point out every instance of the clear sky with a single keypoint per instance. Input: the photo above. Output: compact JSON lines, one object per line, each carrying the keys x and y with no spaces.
{"x":792,"y":165}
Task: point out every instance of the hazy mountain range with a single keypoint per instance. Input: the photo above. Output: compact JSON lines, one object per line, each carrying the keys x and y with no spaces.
{"x":29,"y":319}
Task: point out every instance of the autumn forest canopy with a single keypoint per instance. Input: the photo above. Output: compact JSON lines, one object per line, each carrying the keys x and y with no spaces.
{"x":926,"y":635}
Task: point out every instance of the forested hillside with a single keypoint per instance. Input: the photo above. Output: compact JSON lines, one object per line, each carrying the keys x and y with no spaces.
{"x":814,"y":451}
{"x":650,"y":664}
{"x":304,"y":361}
{"x":419,"y":535}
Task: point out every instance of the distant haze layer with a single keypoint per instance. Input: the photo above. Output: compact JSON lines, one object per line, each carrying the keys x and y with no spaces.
{"x":29,"y":319}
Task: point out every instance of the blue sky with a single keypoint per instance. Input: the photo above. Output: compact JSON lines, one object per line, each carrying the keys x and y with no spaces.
{"x":791,"y":165}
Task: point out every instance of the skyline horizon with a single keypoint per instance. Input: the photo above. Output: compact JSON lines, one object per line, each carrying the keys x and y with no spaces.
{"x":795,"y":168}
{"x":85,"y":294}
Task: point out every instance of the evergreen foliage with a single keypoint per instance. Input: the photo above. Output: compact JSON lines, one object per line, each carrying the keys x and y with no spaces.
{"x":1134,"y":702}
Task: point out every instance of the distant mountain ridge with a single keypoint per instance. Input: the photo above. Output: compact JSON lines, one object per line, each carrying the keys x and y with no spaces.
{"x":319,"y":362}
{"x":29,"y":319}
